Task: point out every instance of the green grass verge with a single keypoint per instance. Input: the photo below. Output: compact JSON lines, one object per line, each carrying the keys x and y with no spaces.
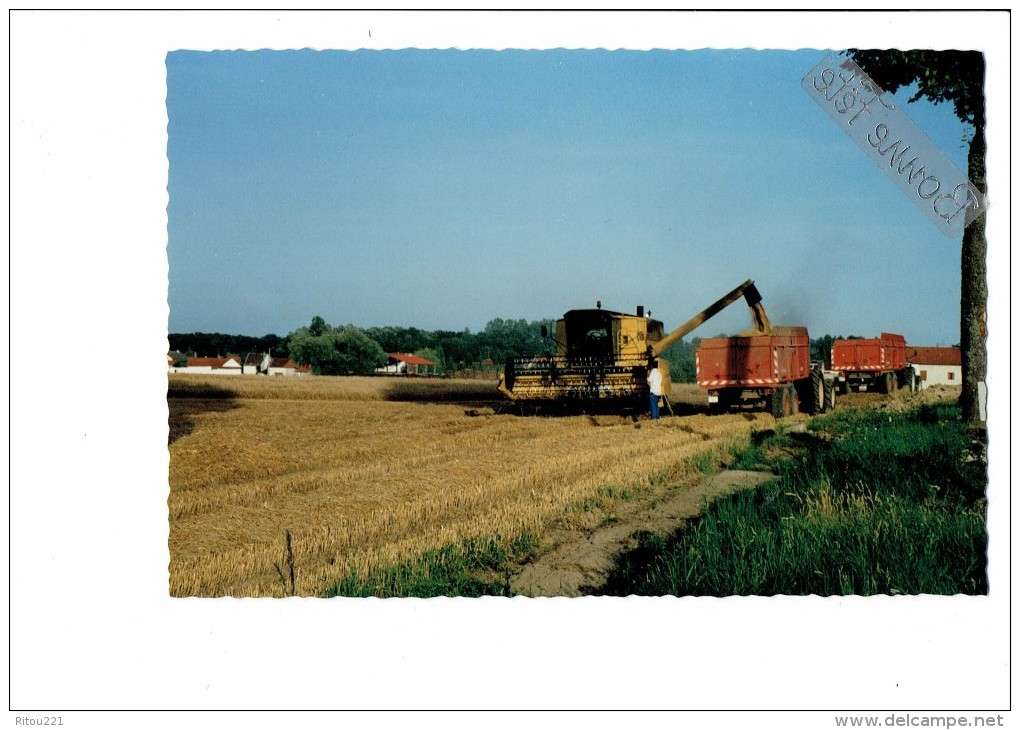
{"x":868,"y":502}
{"x":472,"y":568}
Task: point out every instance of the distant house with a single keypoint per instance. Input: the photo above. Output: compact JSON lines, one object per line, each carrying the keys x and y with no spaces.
{"x":286,"y":366}
{"x":936,"y":365}
{"x":256,"y":363}
{"x":212,"y":366}
{"x":400,"y":363}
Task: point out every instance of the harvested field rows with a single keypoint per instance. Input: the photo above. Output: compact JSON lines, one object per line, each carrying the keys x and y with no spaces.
{"x":362,"y":481}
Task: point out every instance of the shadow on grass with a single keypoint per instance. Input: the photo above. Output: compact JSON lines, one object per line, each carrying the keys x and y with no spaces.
{"x":186,"y":400}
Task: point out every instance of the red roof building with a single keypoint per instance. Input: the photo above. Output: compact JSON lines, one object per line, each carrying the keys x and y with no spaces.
{"x":286,"y":366}
{"x":401,"y":363}
{"x":409,"y":359}
{"x":213,"y":362}
{"x":936,"y":365}
{"x":934,"y":356}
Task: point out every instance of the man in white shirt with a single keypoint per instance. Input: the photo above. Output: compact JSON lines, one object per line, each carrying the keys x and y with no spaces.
{"x":654,"y":388}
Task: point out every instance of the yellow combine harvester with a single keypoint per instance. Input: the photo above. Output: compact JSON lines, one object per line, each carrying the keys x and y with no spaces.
{"x":605,"y":356}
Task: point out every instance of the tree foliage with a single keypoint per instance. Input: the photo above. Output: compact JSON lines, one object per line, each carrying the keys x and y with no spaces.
{"x":821,"y":349}
{"x":501,"y":338}
{"x":335,"y":350}
{"x":956,"y":77}
{"x":435,"y":354}
{"x":505,"y":338}
{"x":681,"y":360}
{"x":215,"y":344}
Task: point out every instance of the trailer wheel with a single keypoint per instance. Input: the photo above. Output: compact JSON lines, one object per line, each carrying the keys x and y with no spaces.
{"x":830,"y":395}
{"x":790,"y":400}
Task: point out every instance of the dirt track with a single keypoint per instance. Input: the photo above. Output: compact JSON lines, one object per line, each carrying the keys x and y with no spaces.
{"x":579,"y":564}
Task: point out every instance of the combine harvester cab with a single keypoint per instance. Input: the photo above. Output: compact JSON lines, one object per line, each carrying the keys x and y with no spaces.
{"x":600,"y":356}
{"x":603,"y":357}
{"x":770,"y":370}
{"x":878,"y":364}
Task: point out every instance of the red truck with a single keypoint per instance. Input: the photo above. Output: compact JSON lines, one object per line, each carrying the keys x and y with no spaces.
{"x":773,"y":370}
{"x":876,"y":364}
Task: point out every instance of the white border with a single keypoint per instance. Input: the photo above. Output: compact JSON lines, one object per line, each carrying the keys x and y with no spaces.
{"x":91,"y":626}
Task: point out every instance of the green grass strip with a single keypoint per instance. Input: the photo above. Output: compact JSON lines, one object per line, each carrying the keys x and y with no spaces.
{"x":870,"y":502}
{"x":472,"y":568}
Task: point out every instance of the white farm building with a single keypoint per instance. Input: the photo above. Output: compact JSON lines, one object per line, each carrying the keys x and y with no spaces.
{"x":936,"y":365}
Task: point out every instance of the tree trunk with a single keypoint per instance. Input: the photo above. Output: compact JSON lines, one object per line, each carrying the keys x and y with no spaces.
{"x":974,"y":290}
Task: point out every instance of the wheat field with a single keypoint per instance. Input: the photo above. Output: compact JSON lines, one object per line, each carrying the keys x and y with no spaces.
{"x":361,"y":480}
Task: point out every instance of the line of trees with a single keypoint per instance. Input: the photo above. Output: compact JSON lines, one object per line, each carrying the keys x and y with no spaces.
{"x":349,"y":350}
{"x":215,"y":344}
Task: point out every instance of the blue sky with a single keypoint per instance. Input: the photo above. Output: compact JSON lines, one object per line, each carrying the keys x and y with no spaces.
{"x":441,"y":189}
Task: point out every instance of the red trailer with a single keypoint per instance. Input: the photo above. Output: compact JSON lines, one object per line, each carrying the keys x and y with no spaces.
{"x":876,"y":364}
{"x":772,"y":370}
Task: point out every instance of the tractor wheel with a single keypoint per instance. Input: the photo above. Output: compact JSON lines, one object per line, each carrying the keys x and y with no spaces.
{"x":817,"y":404}
{"x":776,"y":402}
{"x":908,"y":380}
{"x":830,"y":395}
